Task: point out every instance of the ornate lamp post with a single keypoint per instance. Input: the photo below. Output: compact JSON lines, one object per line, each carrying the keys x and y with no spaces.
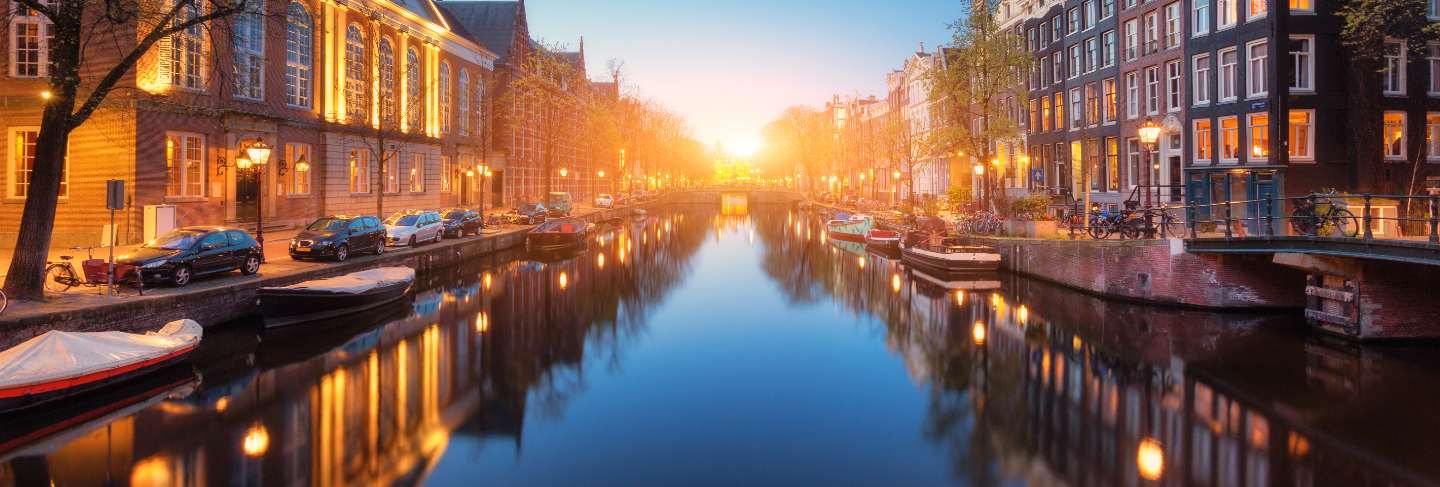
{"x":257,"y":153}
{"x":1149,"y":132}
{"x":980,"y":172}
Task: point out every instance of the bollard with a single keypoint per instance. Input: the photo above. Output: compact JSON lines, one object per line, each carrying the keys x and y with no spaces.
{"x":1269,"y":218}
{"x":1368,"y":234}
{"x":1434,"y":219}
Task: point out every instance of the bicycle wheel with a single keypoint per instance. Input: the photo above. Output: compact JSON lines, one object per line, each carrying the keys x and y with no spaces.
{"x":59,"y":278}
{"x":1346,"y":224}
{"x":1098,"y":231}
{"x":1130,"y":230}
{"x":1171,"y":227}
{"x":1304,"y":222}
{"x":4,"y":301}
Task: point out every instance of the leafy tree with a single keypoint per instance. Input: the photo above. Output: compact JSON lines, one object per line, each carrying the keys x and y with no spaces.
{"x":803,"y":140}
{"x":548,"y":91}
{"x":126,"y":29}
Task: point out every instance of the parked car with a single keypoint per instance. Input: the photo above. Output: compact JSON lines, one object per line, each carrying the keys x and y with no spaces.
{"x":460,"y":222}
{"x":337,"y":237}
{"x":185,"y":253}
{"x":604,"y":201}
{"x":529,"y":213}
{"x":410,"y":228}
{"x":559,"y":203}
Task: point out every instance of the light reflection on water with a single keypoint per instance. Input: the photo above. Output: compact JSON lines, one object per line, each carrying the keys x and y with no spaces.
{"x":734,"y":346}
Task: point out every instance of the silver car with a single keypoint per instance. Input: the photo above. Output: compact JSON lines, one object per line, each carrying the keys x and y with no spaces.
{"x":411,"y":228}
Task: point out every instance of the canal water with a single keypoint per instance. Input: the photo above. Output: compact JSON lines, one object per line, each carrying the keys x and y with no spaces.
{"x":726,"y":345}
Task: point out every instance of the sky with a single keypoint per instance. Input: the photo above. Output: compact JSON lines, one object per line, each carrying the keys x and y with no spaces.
{"x":729,"y":67}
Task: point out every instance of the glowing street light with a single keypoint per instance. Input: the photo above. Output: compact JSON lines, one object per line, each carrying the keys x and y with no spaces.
{"x":979,"y":170}
{"x":977,"y":333}
{"x":256,"y":441}
{"x":564,"y":172}
{"x":1150,"y":459}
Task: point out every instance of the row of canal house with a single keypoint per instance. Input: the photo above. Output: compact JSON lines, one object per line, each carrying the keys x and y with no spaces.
{"x":336,"y":88}
{"x":1256,"y":99}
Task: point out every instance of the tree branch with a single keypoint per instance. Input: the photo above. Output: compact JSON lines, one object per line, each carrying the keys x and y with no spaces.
{"x":45,"y":10}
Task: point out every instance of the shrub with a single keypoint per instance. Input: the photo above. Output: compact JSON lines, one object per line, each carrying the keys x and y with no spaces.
{"x":1032,"y":207}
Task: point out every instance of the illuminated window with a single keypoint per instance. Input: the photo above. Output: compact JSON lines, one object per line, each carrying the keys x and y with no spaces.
{"x":22,"y":163}
{"x":1059,"y":110}
{"x":1393,"y":136}
{"x":417,"y":173}
{"x":359,"y":169}
{"x":1044,"y":114}
{"x":387,"y":82}
{"x":248,"y":50}
{"x":1432,"y":136}
{"x":299,"y":56}
{"x":299,"y":174}
{"x":1112,"y":164}
{"x":1110,"y":103}
{"x":1258,"y":9}
{"x":1092,"y":105}
{"x":463,"y":100}
{"x":1203,"y":140}
{"x":445,"y":98}
{"x":31,"y":33}
{"x":447,"y":170}
{"x":1259,"y":126}
{"x":1229,"y":139}
{"x":414,"y":94}
{"x":185,"y":56}
{"x":1302,"y":135}
{"x":391,"y":165}
{"x":356,"y":75}
{"x":184,"y":165}
{"x":1307,"y":6}
{"x":1225,"y":13}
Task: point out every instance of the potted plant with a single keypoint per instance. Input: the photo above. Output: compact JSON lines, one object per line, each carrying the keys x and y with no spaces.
{"x":1030,"y":218}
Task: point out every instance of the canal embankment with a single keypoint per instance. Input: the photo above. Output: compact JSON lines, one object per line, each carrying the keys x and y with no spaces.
{"x":228,"y":297}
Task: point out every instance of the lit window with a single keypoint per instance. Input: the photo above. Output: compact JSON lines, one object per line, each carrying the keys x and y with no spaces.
{"x":414,"y":95}
{"x":1110,"y":102}
{"x":1392,"y":77}
{"x":1225,"y":13}
{"x":1204,"y":141}
{"x":22,"y":163}
{"x":186,"y":61}
{"x":31,"y":33}
{"x":184,"y":165}
{"x":1432,"y":136}
{"x":1259,"y":125}
{"x":1202,"y":80}
{"x":1112,"y":164}
{"x":299,"y":174}
{"x":417,"y":173}
{"x":1307,"y":6}
{"x":359,"y":169}
{"x":387,"y":82}
{"x":248,"y":46}
{"x":1229,"y":139}
{"x":445,"y":98}
{"x":463,"y":93}
{"x":1059,"y":110}
{"x":392,"y":176}
{"x":299,"y":55}
{"x":1302,"y":135}
{"x":1393,"y":136}
{"x":1257,"y":53}
{"x":1044,"y":114}
{"x":356,"y":74}
{"x":1258,"y":9}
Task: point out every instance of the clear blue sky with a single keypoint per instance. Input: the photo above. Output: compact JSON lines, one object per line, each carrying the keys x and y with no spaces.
{"x":731,"y":66}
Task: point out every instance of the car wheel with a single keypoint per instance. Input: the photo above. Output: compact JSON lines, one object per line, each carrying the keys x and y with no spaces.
{"x":181,"y":276}
{"x":412,"y":241}
{"x":342,"y":252}
{"x":251,"y":265}
{"x":380,"y":247}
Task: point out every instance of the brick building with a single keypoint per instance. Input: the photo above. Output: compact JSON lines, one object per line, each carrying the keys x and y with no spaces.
{"x":342,"y":92}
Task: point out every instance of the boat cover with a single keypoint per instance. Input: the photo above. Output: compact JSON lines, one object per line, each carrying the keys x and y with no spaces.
{"x":58,"y":355}
{"x":358,"y":282}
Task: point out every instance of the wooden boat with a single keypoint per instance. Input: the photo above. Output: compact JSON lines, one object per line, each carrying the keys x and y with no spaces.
{"x":883,"y":240}
{"x":976,"y":281}
{"x":851,"y":227}
{"x":949,"y":256}
{"x":60,"y":364}
{"x":336,"y":296}
{"x":558,"y":234}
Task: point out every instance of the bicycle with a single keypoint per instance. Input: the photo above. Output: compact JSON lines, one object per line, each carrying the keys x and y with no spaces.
{"x":4,"y":301}
{"x":1307,"y":219}
{"x":60,"y":275}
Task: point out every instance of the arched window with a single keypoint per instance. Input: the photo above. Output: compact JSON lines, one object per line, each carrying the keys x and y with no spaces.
{"x":414,"y":95}
{"x":355,"y":75}
{"x":463,"y":91}
{"x":249,"y":51}
{"x":299,"y":55}
{"x":387,"y":82}
{"x":186,"y":64}
{"x":445,"y":98}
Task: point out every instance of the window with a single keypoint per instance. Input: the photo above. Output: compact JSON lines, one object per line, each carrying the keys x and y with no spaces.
{"x":1432,"y":9}
{"x":1092,"y":55}
{"x":1055,"y":26}
{"x":1132,"y":39}
{"x":1076,"y":112}
{"x":1074,"y":21}
{"x":1393,"y":75}
{"x":1151,"y":42}
{"x":22,"y":163}
{"x":1394,"y":136}
{"x":1032,"y":39}
{"x":1059,"y":67}
{"x":1225,"y":14}
{"x":387,"y":82}
{"x":1200,"y":17}
{"x":1075,"y":65}
{"x":359,"y":166}
{"x":1152,"y":90}
{"x":391,"y":166}
{"x":186,"y":62}
{"x":417,"y":173}
{"x":1132,"y":95}
{"x":1132,"y":161}
{"x":1226,"y":83}
{"x":414,"y":94}
{"x":248,"y":44}
{"x":1111,"y":113}
{"x":299,"y":56}
{"x":464,"y":101}
{"x":1229,"y":139}
{"x":299,"y":174}
{"x":1033,"y":123}
{"x":1092,"y":105}
{"x":1432,"y":136}
{"x":445,"y":94}
{"x":1172,"y":86}
{"x":1259,"y":125}
{"x":1304,"y":6}
{"x":1301,"y":135}
{"x":1092,"y":14}
{"x":1256,"y":53}
{"x":1107,"y":8}
{"x":30,"y":37}
{"x":448,"y":174}
{"x":1257,"y":9}
{"x":184,"y":165}
{"x":1044,"y":114}
{"x":1112,"y":164}
{"x":1432,"y":59}
{"x":1172,"y":25}
{"x":1059,"y":110}
{"x":1204,"y":141}
{"x":1201,"y":90}
{"x":1107,"y":48}
{"x":1044,"y":35}
{"x":1045,"y":74}
{"x":1302,"y":64}
{"x":356,"y":74}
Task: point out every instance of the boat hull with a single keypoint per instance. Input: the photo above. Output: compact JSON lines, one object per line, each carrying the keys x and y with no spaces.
{"x":541,"y":242}
{"x":90,"y":383}
{"x":283,"y":307}
{"x":951,"y":263}
{"x":849,"y":230}
{"x":884,"y":241}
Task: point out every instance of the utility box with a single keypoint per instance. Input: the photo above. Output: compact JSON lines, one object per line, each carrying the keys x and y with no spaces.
{"x":159,"y":220}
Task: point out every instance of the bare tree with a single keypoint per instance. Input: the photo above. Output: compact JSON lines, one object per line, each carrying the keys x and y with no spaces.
{"x":74,"y":95}
{"x":395,"y":124}
{"x":548,"y":90}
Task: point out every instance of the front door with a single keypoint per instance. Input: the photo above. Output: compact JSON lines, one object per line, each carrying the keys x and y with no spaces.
{"x":247,"y":195}
{"x":1262,"y":197}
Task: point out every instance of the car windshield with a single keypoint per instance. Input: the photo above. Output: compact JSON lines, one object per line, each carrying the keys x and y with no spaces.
{"x":327,"y":225}
{"x":176,"y":240}
{"x":455,"y":214}
{"x":402,"y":220}
{"x":528,"y":207}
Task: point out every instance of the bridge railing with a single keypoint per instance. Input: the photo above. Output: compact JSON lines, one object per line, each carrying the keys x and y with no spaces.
{"x":1413,"y":218}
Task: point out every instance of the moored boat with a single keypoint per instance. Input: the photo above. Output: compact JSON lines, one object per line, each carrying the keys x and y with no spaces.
{"x":851,"y":227}
{"x":558,"y":234}
{"x":883,"y":240}
{"x":335,"y":296}
{"x":59,"y":365}
{"x":949,"y":256}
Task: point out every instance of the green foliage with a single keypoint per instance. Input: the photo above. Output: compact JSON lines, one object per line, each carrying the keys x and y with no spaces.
{"x":958,"y":197}
{"x":1032,"y":207}
{"x":982,"y":77}
{"x":1366,"y":24}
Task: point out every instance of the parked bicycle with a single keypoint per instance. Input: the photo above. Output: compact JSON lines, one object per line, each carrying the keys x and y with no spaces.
{"x":980,"y":223}
{"x":1317,"y":215}
{"x":60,"y":275}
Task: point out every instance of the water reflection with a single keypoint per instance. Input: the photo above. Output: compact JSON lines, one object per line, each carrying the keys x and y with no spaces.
{"x":1015,"y":381}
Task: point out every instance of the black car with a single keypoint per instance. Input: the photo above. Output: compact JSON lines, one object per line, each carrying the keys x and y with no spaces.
{"x":185,"y":253}
{"x":460,"y":222}
{"x":338,"y":237}
{"x":530,"y":213}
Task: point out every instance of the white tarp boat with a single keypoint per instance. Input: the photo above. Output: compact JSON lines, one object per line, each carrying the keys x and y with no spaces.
{"x":335,"y":296}
{"x":60,"y":364}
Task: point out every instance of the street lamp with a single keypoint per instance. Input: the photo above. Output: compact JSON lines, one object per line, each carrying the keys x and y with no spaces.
{"x":257,"y":153}
{"x":1149,"y":132}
